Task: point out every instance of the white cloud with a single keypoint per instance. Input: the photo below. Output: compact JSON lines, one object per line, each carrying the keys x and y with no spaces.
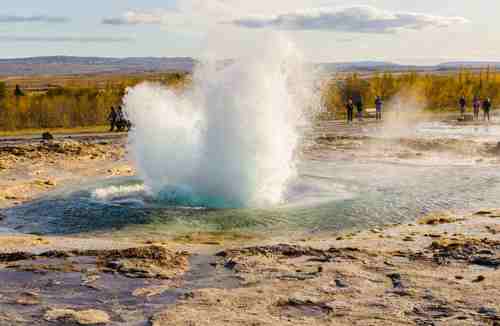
{"x":137,"y":17}
{"x":32,"y":19}
{"x":64,"y":39}
{"x":359,"y":19}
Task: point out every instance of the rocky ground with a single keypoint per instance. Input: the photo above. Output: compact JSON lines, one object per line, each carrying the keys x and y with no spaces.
{"x":30,"y":169}
{"x":441,"y":270}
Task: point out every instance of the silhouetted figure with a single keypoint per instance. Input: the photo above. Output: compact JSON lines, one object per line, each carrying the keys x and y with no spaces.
{"x":378,"y":108}
{"x":120,"y":115}
{"x":476,"y":105}
{"x":112,"y":119}
{"x":122,"y":122}
{"x":350,"y":110}
{"x":359,"y":107}
{"x":462,"y":103}
{"x":18,"y":91}
{"x":486,"y":109}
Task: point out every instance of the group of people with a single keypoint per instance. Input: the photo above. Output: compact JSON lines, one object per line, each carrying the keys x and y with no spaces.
{"x":118,"y":120}
{"x":358,"y":104}
{"x":477,"y":104}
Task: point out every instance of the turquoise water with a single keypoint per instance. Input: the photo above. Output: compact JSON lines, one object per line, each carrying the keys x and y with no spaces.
{"x":328,"y":195}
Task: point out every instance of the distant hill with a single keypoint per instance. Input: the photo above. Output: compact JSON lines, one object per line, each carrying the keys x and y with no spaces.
{"x":67,"y":65}
{"x":468,"y":64}
{"x":362,"y":66}
{"x":64,"y":65}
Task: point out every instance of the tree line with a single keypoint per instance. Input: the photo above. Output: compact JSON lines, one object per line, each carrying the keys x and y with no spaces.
{"x":432,"y":91}
{"x":68,"y":106}
{"x":87,"y":103}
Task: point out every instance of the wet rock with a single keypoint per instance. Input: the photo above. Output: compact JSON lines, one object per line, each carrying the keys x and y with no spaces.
{"x":434,"y":311}
{"x":461,"y":249}
{"x":28,"y":299}
{"x":285,"y":250}
{"x":150,"y":292}
{"x":291,"y":251}
{"x":298,"y":307}
{"x":490,"y":313}
{"x":47,"y":136}
{"x":231,"y":264}
{"x":396,"y":280}
{"x":298,"y":276}
{"x":140,"y":262}
{"x":340,"y":284}
{"x":15,"y":256}
{"x":82,"y":317}
{"x":50,"y":183}
{"x":437,"y":218}
{"x":486,"y":261}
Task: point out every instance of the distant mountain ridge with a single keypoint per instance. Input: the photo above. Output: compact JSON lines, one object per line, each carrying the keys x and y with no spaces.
{"x":58,"y":65}
{"x":72,"y":65}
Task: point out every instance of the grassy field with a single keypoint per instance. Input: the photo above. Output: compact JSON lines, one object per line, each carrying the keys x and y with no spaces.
{"x":70,"y":104}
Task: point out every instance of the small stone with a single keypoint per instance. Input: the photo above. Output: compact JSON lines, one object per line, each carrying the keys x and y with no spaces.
{"x":340,"y":284}
{"x":50,"y":183}
{"x":396,"y":280}
{"x":47,"y":136}
{"x":479,"y":279}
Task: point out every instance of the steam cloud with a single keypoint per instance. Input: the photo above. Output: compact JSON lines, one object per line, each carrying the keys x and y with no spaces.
{"x":231,"y":139}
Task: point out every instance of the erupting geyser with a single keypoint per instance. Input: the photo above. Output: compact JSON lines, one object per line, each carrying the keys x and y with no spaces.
{"x":229,"y":140}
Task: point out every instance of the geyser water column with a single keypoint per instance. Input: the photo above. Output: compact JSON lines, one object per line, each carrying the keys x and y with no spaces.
{"x":230,"y":139}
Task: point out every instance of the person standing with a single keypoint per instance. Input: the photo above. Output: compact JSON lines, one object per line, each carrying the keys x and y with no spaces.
{"x":476,"y":105}
{"x":359,"y":107}
{"x":378,"y":108}
{"x":486,"y":109}
{"x":462,"y":103}
{"x":112,"y":119}
{"x":350,"y":110}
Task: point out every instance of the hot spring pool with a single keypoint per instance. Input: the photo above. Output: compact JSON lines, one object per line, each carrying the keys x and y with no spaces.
{"x":328,"y":195}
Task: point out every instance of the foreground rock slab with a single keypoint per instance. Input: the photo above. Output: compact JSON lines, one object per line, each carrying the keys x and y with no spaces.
{"x":447,"y":275}
{"x":83,"y":317}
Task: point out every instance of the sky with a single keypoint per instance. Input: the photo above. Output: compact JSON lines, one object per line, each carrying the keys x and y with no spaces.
{"x":403,"y":31}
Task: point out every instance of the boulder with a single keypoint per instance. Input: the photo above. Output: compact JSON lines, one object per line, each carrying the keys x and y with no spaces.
{"x":47,"y":136}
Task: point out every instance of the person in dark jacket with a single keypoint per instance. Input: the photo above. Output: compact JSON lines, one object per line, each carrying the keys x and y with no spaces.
{"x":486,"y":109}
{"x":378,"y":108}
{"x":476,"y":105}
{"x":112,"y":118}
{"x":462,"y":103}
{"x":350,"y":110}
{"x":359,"y":107}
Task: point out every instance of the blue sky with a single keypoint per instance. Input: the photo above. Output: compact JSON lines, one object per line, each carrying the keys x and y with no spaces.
{"x":424,"y":31}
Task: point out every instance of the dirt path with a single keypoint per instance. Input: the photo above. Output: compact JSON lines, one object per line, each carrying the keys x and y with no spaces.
{"x":83,"y":137}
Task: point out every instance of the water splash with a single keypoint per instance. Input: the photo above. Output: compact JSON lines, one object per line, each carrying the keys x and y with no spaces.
{"x":230,"y":140}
